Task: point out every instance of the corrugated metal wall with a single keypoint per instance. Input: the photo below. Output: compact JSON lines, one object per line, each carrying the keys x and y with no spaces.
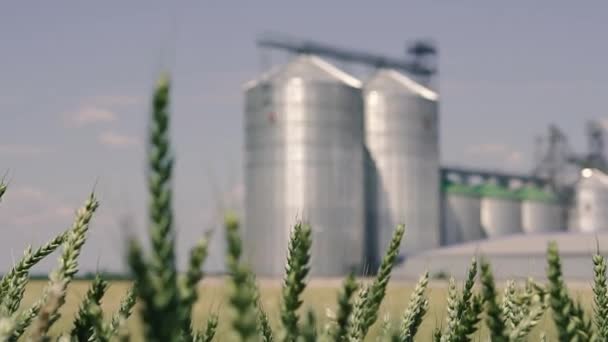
{"x":304,"y":160}
{"x":461,"y":218}
{"x":592,"y":201}
{"x":401,"y":133}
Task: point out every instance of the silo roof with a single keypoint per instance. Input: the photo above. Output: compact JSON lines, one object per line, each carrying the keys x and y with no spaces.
{"x":534,"y":194}
{"x":497,"y":191}
{"x":460,"y":189}
{"x":393,"y":79}
{"x":307,"y":68}
{"x":515,"y":256}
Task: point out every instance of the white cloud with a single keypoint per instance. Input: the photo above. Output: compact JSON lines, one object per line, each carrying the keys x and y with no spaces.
{"x":115,"y":100}
{"x":43,"y":216}
{"x":99,"y":109}
{"x":21,"y":150}
{"x":64,"y":211}
{"x":28,"y":193}
{"x":87,"y":115}
{"x":116,"y":140}
{"x":29,"y":205}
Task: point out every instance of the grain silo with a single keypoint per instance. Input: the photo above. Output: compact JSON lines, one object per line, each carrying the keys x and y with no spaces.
{"x":304,"y":160}
{"x":401,"y":135}
{"x":500,"y":211}
{"x":461,"y":219}
{"x":592,"y":201}
{"x":540,"y":211}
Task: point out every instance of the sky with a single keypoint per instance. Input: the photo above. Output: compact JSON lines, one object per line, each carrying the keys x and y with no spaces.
{"x":75,"y":81}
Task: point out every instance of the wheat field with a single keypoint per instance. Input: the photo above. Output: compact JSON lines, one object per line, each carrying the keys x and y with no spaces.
{"x":321,"y":294}
{"x":175,"y":306}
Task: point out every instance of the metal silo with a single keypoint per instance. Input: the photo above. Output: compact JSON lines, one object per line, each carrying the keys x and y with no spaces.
{"x":461,"y":207}
{"x":304,"y":160}
{"x":592,"y":201}
{"x":540,"y":211}
{"x":500,"y":211}
{"x":401,"y":135}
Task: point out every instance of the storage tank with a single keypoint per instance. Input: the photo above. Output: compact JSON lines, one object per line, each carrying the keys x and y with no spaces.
{"x":461,"y":207}
{"x":592,"y":201}
{"x":500,"y":211}
{"x":304,"y":160}
{"x":540,"y":211}
{"x":401,"y":135}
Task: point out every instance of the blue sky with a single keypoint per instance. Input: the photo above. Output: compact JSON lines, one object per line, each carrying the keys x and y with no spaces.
{"x":75,"y":80}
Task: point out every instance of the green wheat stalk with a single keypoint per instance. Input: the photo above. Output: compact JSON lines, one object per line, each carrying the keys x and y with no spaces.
{"x":367,"y":309}
{"x":167,"y":299}
{"x":494,"y":319}
{"x":345,"y":309}
{"x":471,"y":319}
{"x":600,"y":292}
{"x":386,"y":329}
{"x":3,"y":187}
{"x":14,"y":294}
{"x":25,"y":319}
{"x":144,"y":286}
{"x":452,"y":311}
{"x":294,"y":283}
{"x":48,"y":311}
{"x":523,"y":329}
{"x":124,"y":311}
{"x":210,"y":330}
{"x":121,"y":332}
{"x":567,"y":324}
{"x":55,"y":291}
{"x":356,"y":318}
{"x":242,"y":297}
{"x":264,"y":326}
{"x":417,"y":308}
{"x":85,"y":319}
{"x":308,"y":333}
{"x":585,"y":326}
{"x":16,"y":278}
{"x":463,"y":311}
{"x":98,"y":329}
{"x":189,"y":282}
{"x":161,"y":313}
{"x":469,"y":307}
{"x":509,"y":305}
{"x":522,"y":303}
{"x":436,"y":336}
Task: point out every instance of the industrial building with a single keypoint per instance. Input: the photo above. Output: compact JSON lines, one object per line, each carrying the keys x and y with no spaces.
{"x":354,"y":158}
{"x":514,"y":257}
{"x":304,"y":150}
{"x":401,"y":137}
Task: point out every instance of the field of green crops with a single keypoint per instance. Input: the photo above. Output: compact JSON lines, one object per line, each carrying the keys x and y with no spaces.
{"x":320,"y":293}
{"x":174,"y":306}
